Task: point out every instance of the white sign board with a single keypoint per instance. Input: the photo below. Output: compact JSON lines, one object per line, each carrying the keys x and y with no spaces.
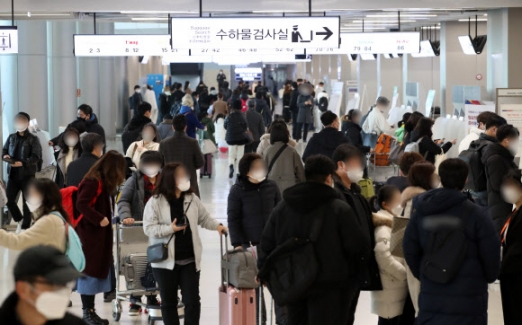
{"x":8,"y":40}
{"x":122,"y":45}
{"x":429,"y":101}
{"x":246,"y":51}
{"x":472,"y":111}
{"x":381,"y":43}
{"x":255,"y":33}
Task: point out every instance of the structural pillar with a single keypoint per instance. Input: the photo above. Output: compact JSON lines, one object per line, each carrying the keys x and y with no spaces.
{"x":87,"y":74}
{"x":107,"y":88}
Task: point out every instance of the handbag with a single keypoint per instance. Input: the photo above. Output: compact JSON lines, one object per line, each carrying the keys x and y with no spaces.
{"x":207,"y":146}
{"x":160,"y":252}
{"x":278,"y":153}
{"x":396,"y":151}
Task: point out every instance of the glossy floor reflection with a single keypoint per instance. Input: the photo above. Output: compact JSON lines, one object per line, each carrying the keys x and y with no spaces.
{"x":214,"y":194}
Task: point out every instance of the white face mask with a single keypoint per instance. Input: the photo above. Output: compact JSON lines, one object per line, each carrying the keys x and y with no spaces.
{"x":510,"y":194}
{"x":71,"y":141}
{"x":513,"y":147}
{"x":53,"y":304}
{"x":167,"y":93}
{"x":21,"y":127}
{"x":355,"y":175}
{"x":397,"y":210}
{"x":151,"y":171}
{"x":184,"y":185}
{"x":147,"y":137}
{"x":258,"y":175}
{"x":137,"y":91}
{"x":33,"y":203}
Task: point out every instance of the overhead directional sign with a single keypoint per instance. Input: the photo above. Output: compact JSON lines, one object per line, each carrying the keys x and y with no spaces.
{"x":213,"y":34}
{"x":8,"y":40}
{"x":381,"y":43}
{"x":122,"y":45}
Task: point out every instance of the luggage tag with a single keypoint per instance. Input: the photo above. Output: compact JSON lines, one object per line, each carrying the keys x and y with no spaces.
{"x":253,"y":249}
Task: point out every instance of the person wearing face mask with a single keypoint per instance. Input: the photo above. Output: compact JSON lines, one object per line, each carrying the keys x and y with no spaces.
{"x":476,"y":131}
{"x":44,"y":278}
{"x":389,"y":302}
{"x":193,"y":122}
{"x":427,"y":147}
{"x":133,"y":130}
{"x":349,"y":161}
{"x":352,"y":130}
{"x":92,"y":149}
{"x":462,"y":297}
{"x":221,"y":77}
{"x":338,"y":246}
{"x":135,"y":100}
{"x":70,"y":150}
{"x":134,"y":195}
{"x":250,"y":203}
{"x":96,"y":201}
{"x":498,"y":158}
{"x":511,"y":237}
{"x":150,"y":140}
{"x":328,"y":139}
{"x":165,"y":103}
{"x":172,"y":216}
{"x":24,"y":152}
{"x":305,"y":117}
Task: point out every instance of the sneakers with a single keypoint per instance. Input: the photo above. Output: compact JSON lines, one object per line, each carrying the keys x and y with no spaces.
{"x":91,"y":318}
{"x":109,"y":296}
{"x":134,"y":310}
{"x":231,"y":174}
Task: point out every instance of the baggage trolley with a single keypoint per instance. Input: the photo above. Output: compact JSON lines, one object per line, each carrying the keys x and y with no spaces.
{"x":132,"y":240}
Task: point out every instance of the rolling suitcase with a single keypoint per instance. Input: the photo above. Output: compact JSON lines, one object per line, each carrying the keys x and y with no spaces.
{"x":134,"y":269}
{"x":236,"y":306}
{"x":207,"y":169}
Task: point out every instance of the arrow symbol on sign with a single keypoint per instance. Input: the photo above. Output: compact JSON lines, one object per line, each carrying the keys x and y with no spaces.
{"x":327,"y":33}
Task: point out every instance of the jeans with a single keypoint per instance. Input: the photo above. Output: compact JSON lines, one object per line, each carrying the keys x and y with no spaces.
{"x":235,"y":153}
{"x":187,"y":278}
{"x":305,"y":133}
{"x":14,"y":186}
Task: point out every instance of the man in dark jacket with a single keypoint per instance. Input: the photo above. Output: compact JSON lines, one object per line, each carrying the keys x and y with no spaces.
{"x":24,"y":154}
{"x":499,"y":160}
{"x":165,"y":104}
{"x":464,"y":299}
{"x":183,"y":149}
{"x":349,"y":172}
{"x":339,"y":245}
{"x":92,"y":150}
{"x":132,"y":131}
{"x":326,"y":141}
{"x":236,"y":137}
{"x":42,"y":275}
{"x":176,"y":98}
{"x":221,"y":77}
{"x":293,"y":106}
{"x":255,"y":125}
{"x":263,"y":108}
{"x":136,"y":99}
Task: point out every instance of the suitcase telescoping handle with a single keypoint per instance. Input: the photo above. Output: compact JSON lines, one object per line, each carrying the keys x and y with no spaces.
{"x":224,"y":253}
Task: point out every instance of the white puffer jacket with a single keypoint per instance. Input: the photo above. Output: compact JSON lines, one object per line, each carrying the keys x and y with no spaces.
{"x":389,"y":302}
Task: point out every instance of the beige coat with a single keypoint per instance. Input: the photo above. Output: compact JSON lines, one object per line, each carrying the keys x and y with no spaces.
{"x":47,"y":230}
{"x":288,"y":169}
{"x":389,"y":302}
{"x":265,"y":144}
{"x":135,"y":155}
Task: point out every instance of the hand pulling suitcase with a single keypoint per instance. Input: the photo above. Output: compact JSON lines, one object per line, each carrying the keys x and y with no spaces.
{"x":207,"y":169}
{"x":134,"y":269}
{"x":236,"y":306}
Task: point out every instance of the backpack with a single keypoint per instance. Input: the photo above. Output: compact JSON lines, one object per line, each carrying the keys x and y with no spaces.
{"x":73,"y":248}
{"x":176,"y":107}
{"x":446,"y":247}
{"x":477,"y":180}
{"x":413,"y":146}
{"x":323,"y":104}
{"x":382,"y":150}
{"x":244,"y":106}
{"x":69,"y":202}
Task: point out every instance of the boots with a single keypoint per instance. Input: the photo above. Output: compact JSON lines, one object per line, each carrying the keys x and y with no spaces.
{"x":231,"y":174}
{"x":91,"y":318}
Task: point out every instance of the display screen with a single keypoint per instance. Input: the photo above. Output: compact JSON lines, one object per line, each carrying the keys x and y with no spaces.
{"x":248,"y":74}
{"x":467,"y":45}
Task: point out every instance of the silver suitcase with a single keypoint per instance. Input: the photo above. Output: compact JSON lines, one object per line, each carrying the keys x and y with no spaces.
{"x":134,"y":269}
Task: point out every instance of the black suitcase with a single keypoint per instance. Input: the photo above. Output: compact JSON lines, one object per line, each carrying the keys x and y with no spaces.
{"x":207,"y":169}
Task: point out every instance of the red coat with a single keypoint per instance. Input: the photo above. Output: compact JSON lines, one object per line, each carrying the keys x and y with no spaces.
{"x":96,"y":240}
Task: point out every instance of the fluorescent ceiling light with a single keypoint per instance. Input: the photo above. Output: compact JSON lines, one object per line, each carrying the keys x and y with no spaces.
{"x":472,"y":20}
{"x":366,"y":28}
{"x":384,"y":21}
{"x":402,"y":15}
{"x":34,"y":15}
{"x":149,"y":18}
{"x":155,"y":12}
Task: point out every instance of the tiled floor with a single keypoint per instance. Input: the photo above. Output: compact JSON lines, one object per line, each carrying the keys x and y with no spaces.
{"x":214,"y":194}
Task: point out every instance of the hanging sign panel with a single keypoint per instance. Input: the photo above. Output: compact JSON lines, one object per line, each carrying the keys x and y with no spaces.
{"x":257,"y":32}
{"x":122,"y":45}
{"x":381,"y":43}
{"x":8,"y":40}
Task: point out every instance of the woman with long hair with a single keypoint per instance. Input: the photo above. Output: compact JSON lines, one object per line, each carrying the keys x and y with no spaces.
{"x":95,"y":201}
{"x":172,"y":216}
{"x":427,"y":147}
{"x":410,"y":125}
{"x":45,"y":202}
{"x":70,"y":150}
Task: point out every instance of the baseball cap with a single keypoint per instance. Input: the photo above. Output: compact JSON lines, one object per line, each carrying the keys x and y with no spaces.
{"x":383,"y":101}
{"x":46,"y":262}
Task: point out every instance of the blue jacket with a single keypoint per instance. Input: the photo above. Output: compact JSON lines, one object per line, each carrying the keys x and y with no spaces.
{"x":192,"y":121}
{"x":464,"y":301}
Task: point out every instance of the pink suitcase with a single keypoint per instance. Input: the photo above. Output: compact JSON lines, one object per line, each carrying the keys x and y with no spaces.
{"x":207,"y":169}
{"x":236,"y":306}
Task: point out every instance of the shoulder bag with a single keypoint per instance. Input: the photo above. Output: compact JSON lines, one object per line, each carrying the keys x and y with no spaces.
{"x":278,"y":153}
{"x":159,"y":252}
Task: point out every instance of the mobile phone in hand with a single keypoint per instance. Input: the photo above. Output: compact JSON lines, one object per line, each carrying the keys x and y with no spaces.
{"x":182,"y":222}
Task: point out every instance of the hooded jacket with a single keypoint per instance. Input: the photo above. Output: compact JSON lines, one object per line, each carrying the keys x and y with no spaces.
{"x":130,"y":203}
{"x":498,"y":162}
{"x":265,"y":144}
{"x":132,"y":131}
{"x":352,"y":131}
{"x":192,"y":121}
{"x":288,"y":169}
{"x":255,"y":124}
{"x":474,"y":134}
{"x":165,"y":129}
{"x":324,"y":142}
{"x":339,"y":246}
{"x":93,"y":126}
{"x":249,"y":207}
{"x":236,"y":126}
{"x":464,"y":300}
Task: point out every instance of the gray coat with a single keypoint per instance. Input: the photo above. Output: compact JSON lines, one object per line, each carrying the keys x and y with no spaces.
{"x":306,"y":112}
{"x":183,"y":149}
{"x":165,"y":129}
{"x":255,"y":124}
{"x":130,"y":204}
{"x":288,"y":169}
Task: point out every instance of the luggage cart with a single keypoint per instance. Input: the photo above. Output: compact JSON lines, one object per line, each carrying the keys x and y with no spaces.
{"x":131,"y":240}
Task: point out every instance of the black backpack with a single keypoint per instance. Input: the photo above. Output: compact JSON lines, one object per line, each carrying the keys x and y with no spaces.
{"x":446,"y":247}
{"x":477,"y":180}
{"x":176,"y":107}
{"x":323,"y":104}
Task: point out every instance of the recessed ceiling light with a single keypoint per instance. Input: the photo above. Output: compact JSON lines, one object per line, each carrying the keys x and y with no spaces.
{"x":402,"y":15}
{"x":472,"y":20}
{"x":383,"y":21}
